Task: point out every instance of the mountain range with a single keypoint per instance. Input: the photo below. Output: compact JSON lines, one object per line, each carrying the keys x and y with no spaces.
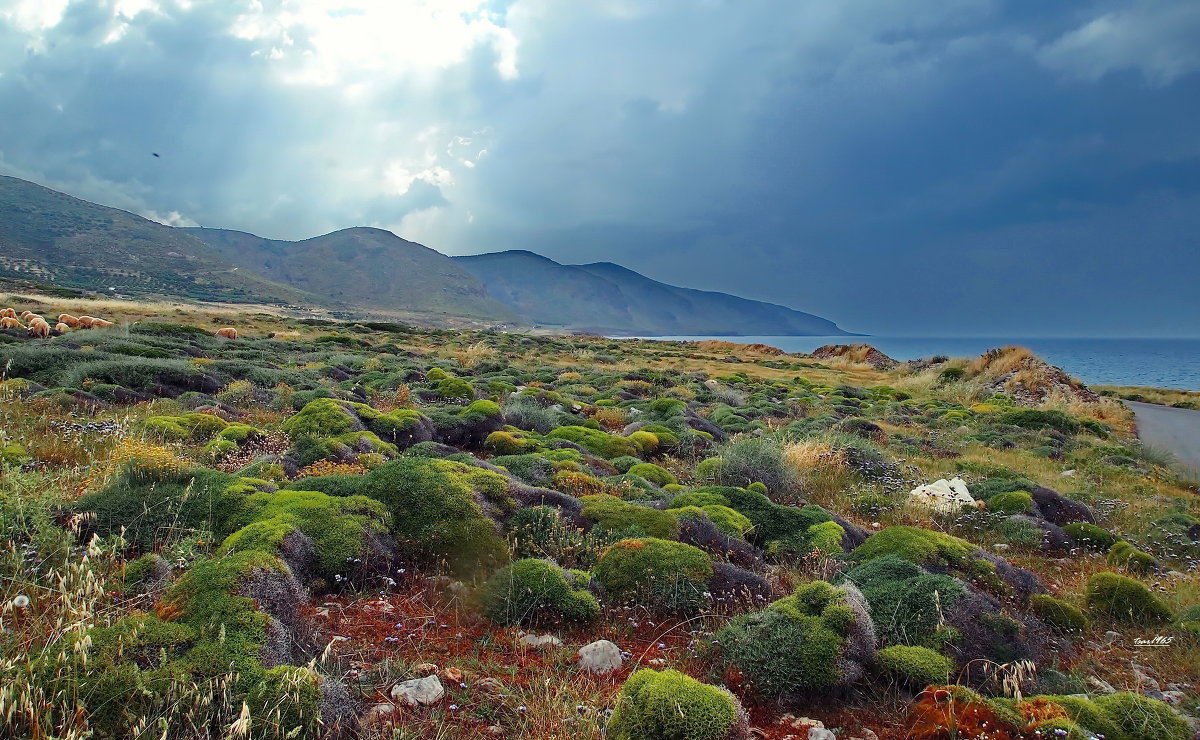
{"x":53,"y":238}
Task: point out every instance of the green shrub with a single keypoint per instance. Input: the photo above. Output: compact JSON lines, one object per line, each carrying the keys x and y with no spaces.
{"x":826,"y":537}
{"x":1126,"y":555}
{"x":906,"y":602}
{"x":454,"y":388}
{"x":671,"y":706}
{"x":657,"y":475}
{"x":778,"y":529}
{"x":914,"y":666}
{"x":599,"y":443}
{"x":337,"y":526}
{"x":510,"y":443}
{"x":230,"y":630}
{"x":916,"y":545}
{"x":1011,"y":502}
{"x":434,"y":507}
{"x":536,"y":470}
{"x":1039,"y":419}
{"x":1060,"y":616}
{"x":1091,"y":536}
{"x":1140,"y":718}
{"x":659,"y":574}
{"x":327,"y":427}
{"x":794,"y":645}
{"x":618,"y":515}
{"x":532,"y":592}
{"x":193,"y":426}
{"x":1020,"y":530}
{"x":747,"y":460}
{"x":725,"y":519}
{"x":153,"y":508}
{"x":1124,"y":599}
{"x":288,"y":700}
{"x":541,"y":532}
{"x":1085,"y":713}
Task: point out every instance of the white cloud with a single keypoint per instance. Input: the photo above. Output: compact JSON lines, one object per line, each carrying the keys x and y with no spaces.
{"x":333,"y":42}
{"x":1160,"y":39}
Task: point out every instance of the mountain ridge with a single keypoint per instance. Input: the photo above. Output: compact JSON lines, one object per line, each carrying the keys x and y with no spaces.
{"x":53,"y":238}
{"x":625,"y":302}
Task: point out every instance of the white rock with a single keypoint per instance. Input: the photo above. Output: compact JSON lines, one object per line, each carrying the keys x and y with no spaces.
{"x":540,"y":642}
{"x":419,"y":691}
{"x":942,"y":496}
{"x":820,"y":733}
{"x":600,"y":657}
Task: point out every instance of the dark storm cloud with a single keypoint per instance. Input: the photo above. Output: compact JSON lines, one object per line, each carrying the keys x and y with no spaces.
{"x":918,"y":167}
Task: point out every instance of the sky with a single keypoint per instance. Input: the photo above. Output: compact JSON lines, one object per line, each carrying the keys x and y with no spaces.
{"x":916,"y":168}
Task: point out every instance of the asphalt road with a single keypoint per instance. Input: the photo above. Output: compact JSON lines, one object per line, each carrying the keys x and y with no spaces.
{"x":1177,"y":430}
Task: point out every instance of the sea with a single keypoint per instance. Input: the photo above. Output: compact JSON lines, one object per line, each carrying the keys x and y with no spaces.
{"x":1161,"y":363}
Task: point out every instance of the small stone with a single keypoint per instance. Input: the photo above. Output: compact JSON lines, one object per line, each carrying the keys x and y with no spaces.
{"x":378,"y":713}
{"x":419,"y":691}
{"x":600,"y":657}
{"x":1069,"y":473}
{"x":868,"y":734}
{"x":490,"y":686}
{"x":820,"y":733}
{"x":1000,"y":547}
{"x":1102,"y":687}
{"x":453,"y":675}
{"x":1173,"y":697}
{"x":1145,"y":682}
{"x":657,"y":662}
{"x":541,"y":642}
{"x":1112,"y":636}
{"x":426,"y":669}
{"x":803,"y":723}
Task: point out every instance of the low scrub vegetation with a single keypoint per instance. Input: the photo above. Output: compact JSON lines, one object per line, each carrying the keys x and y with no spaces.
{"x":340,"y":530}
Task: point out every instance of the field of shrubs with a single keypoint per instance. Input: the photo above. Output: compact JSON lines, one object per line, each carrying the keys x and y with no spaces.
{"x":367,"y":530}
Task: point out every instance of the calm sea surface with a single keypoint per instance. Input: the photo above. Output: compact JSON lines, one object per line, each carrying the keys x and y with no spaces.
{"x":1164,"y":363}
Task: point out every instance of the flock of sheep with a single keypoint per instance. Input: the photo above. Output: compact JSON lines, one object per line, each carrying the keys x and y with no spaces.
{"x":39,"y":327}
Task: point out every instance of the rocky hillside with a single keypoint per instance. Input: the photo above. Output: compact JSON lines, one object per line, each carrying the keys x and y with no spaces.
{"x":50,"y":237}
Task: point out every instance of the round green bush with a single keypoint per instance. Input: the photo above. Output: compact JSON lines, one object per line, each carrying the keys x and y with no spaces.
{"x":625,"y":462}
{"x":1060,"y":616}
{"x":534,"y":591}
{"x":670,"y":705}
{"x":1091,"y":536}
{"x":659,"y":574}
{"x":795,"y":645}
{"x":1125,"y":555}
{"x":1011,"y":502}
{"x":1123,"y":599}
{"x":653,"y":473}
{"x":826,"y":537}
{"x":916,"y":667}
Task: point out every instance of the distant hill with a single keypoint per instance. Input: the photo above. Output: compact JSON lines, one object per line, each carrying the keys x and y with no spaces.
{"x":49,"y":237}
{"x":610,"y":299}
{"x":364,"y":267}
